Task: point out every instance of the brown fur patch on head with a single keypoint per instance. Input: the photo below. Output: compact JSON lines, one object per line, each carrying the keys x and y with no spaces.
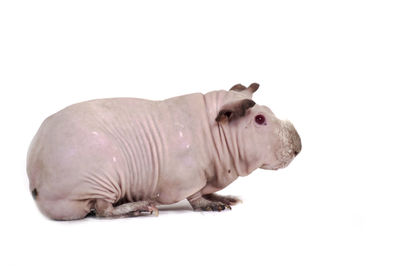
{"x":235,"y":110}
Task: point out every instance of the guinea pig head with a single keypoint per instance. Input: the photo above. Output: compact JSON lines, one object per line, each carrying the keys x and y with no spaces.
{"x":261,"y":139}
{"x":278,"y":140}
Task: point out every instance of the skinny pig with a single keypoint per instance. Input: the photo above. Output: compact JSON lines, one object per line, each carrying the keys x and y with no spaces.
{"x":124,"y":156}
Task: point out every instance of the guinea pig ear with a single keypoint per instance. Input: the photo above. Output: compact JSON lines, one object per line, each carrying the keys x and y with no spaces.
{"x":253,"y":87}
{"x":238,"y":87}
{"x":248,"y":91}
{"x":234,"y":110}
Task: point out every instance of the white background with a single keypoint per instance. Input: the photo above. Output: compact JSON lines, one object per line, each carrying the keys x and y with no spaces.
{"x":331,"y":67}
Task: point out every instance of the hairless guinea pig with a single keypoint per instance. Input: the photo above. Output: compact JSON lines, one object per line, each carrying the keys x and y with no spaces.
{"x":124,"y":156}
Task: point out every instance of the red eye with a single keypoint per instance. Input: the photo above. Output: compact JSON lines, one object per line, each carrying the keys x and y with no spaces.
{"x":260,"y":119}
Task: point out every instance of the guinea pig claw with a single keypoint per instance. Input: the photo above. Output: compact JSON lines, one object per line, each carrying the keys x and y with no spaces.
{"x":136,"y":213}
{"x":153,"y":209}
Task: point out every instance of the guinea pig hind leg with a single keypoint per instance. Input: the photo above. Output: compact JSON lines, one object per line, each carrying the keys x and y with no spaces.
{"x":106,"y":209}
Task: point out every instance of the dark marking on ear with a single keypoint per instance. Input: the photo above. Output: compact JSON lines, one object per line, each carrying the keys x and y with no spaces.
{"x":254,"y":87}
{"x":235,"y":111}
{"x":238,"y":87}
{"x":247,"y":103}
{"x":34,"y":193}
{"x":224,"y":115}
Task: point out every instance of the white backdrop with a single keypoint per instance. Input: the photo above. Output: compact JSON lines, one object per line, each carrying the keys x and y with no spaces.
{"x":331,"y":67}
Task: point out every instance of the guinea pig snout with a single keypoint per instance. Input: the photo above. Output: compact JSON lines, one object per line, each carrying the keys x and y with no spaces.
{"x":296,"y":141}
{"x":291,"y":141}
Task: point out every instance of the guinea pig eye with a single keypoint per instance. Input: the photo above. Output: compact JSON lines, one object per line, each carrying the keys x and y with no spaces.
{"x":260,"y":119}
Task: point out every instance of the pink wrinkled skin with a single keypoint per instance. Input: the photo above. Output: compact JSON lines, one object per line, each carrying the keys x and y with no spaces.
{"x":132,"y":150}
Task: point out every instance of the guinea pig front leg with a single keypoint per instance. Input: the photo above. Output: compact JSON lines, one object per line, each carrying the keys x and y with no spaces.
{"x":211,"y":202}
{"x":227,"y":200}
{"x":202,"y":204}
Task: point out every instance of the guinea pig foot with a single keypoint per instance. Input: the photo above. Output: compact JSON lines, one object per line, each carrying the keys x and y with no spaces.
{"x":227,"y":200}
{"x":215,"y":206}
{"x":203,"y":204}
{"x":144,"y":211}
{"x":105,"y":209}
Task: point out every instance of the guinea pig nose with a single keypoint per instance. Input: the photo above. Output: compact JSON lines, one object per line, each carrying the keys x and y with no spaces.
{"x":296,"y":142}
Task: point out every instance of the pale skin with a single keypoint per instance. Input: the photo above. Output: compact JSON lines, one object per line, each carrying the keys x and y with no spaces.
{"x":125,"y":156}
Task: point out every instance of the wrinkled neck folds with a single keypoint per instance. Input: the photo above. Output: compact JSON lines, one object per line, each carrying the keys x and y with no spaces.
{"x":233,"y":156}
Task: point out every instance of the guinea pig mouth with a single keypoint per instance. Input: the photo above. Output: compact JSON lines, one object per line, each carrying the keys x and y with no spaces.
{"x":280,"y":165}
{"x":270,"y":167}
